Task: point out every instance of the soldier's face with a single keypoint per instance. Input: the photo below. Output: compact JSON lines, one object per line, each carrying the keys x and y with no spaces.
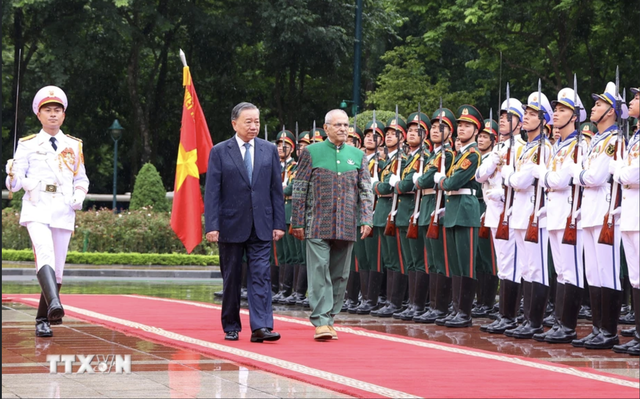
{"x":413,"y":136}
{"x":484,"y":141}
{"x":369,"y":141}
{"x":531,"y":121}
{"x":301,"y":147}
{"x":561,"y":116}
{"x":466,"y":131}
{"x":505,"y":128}
{"x":51,"y":116}
{"x":634,"y":106}
{"x":436,"y":136}
{"x":247,"y":126}
{"x":338,"y":129}
{"x":391,"y":138}
{"x":599,"y":109}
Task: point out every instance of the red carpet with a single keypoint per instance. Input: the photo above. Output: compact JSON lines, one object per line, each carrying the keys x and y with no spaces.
{"x":361,"y":363}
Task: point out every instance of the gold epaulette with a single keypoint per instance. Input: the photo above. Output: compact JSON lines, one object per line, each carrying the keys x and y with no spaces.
{"x":75,"y":138}
{"x":29,"y":137}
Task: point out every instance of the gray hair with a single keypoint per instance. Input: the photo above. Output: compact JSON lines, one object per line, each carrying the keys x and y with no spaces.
{"x":237,"y":110}
{"x":329,"y":115}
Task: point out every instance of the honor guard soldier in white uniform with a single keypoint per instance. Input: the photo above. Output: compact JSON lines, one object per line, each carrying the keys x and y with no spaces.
{"x":520,"y":177}
{"x":602,"y":261}
{"x":556,"y":178}
{"x":49,"y":166}
{"x":627,"y":173}
{"x":490,"y":175}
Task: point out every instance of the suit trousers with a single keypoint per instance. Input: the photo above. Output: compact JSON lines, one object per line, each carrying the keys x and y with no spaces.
{"x":50,"y":246}
{"x":328,"y":263}
{"x":258,"y":283}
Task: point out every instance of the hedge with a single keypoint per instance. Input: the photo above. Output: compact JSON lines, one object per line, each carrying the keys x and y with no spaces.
{"x":103,"y":258}
{"x":141,"y":231}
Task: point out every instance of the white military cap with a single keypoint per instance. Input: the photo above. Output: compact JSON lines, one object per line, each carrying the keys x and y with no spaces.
{"x":534,"y":103}
{"x":515,"y":107}
{"x":47,"y":95}
{"x":610,"y":96}
{"x":566,"y":97}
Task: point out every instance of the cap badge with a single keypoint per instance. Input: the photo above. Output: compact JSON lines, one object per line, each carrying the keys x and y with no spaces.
{"x":586,"y":128}
{"x":465,"y":111}
{"x":416,"y":118}
{"x":488,"y":124}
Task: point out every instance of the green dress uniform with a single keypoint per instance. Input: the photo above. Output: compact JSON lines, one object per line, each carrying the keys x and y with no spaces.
{"x":437,"y":261}
{"x":461,"y":222}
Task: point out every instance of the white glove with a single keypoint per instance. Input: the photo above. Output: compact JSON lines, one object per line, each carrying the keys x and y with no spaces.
{"x":394,"y":180}
{"x":578,"y":214}
{"x":542,"y":212}
{"x":438,"y":176}
{"x":576,"y":170}
{"x":416,"y":216}
{"x":508,"y":212}
{"x":415,"y":178}
{"x":615,"y":211}
{"x":441,"y":212}
{"x":78,"y":199}
{"x":284,"y":185}
{"x":539,"y":171}
{"x":494,"y":158}
{"x":394,"y":213}
{"x":614,"y":165}
{"x":8,"y":167}
{"x":494,"y":194}
{"x":507,"y":171}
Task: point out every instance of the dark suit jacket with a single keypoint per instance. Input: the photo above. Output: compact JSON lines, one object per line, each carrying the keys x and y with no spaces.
{"x":232,"y":205}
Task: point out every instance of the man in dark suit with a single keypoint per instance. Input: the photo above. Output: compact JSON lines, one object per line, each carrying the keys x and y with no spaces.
{"x":244,"y":212}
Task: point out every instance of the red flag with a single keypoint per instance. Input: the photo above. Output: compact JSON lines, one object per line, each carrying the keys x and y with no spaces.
{"x":193,"y":157}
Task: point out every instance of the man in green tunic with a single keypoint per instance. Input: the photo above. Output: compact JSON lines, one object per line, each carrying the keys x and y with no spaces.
{"x":331,"y":192}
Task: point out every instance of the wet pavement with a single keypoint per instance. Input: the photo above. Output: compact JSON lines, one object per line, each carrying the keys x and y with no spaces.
{"x":163,"y":371}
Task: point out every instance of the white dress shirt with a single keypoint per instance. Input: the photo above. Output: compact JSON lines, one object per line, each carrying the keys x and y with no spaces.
{"x":252,"y":149}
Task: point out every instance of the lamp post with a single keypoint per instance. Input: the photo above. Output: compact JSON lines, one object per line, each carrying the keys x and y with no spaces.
{"x":116,"y":133}
{"x":354,"y":106}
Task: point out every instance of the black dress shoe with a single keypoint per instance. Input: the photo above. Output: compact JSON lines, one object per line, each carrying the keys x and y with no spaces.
{"x":629,"y":318}
{"x":231,"y":336}
{"x":264,"y":334}
{"x":218,"y":294}
{"x":42,"y":328}
{"x":628,"y":332}
{"x":244,"y":294}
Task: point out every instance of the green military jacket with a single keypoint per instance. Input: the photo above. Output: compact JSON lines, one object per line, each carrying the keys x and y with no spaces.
{"x":384,"y":191}
{"x":406,"y":190}
{"x":462,"y":210}
{"x":432,"y":165}
{"x":290,"y":168}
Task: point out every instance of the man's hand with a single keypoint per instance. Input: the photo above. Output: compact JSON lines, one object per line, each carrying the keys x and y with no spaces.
{"x":415,"y":178}
{"x":365,"y":231}
{"x":278,"y":234}
{"x":9,"y":167}
{"x":298,"y":233}
{"x":212,"y":236}
{"x":78,"y":199}
{"x":394,"y":180}
{"x":438,"y":176}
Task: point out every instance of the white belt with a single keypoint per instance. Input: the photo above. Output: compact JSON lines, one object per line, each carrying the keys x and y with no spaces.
{"x":558,"y":190}
{"x":385,"y":196}
{"x":631,"y":186}
{"x":462,"y":191}
{"x":428,"y":191}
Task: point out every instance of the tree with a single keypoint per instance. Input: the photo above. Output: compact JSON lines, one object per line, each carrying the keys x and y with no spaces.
{"x":149,"y":191}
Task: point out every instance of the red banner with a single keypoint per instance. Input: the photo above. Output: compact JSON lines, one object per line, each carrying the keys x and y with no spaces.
{"x":193,"y":157}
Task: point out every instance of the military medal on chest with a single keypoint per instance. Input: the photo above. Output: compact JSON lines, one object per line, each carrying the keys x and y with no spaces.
{"x":68,"y":158}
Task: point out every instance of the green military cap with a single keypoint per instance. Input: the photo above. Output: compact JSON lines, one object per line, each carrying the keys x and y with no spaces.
{"x":423,"y":119}
{"x":491,"y":127}
{"x":318,"y":135}
{"x":379,"y":128}
{"x":287,"y":137}
{"x":447,"y":117}
{"x":399,"y":124}
{"x":354,"y":131}
{"x":304,"y":137}
{"x":469,"y":113}
{"x":589,"y":129}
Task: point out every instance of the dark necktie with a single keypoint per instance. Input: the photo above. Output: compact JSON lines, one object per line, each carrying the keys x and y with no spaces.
{"x":53,"y":143}
{"x":247,"y":160}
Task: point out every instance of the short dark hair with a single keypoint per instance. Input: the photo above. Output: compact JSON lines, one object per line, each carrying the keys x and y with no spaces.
{"x":237,"y":110}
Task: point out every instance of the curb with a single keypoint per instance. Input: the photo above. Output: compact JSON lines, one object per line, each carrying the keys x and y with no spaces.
{"x":195,"y":274}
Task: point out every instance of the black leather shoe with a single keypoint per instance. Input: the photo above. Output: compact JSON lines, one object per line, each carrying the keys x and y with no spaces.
{"x":244,"y":294}
{"x":305,"y":303}
{"x":429,"y":317}
{"x":579,"y":343}
{"x":585,"y":313}
{"x":231,"y":336}
{"x":629,"y":318}
{"x":218,"y":294}
{"x":623,"y":348}
{"x":42,"y":328}
{"x":628,"y":332}
{"x":387,"y":311}
{"x":634,"y":350}
{"x":264,"y":334}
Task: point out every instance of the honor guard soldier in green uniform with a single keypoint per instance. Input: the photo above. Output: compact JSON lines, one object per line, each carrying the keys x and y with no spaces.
{"x":394,"y":261}
{"x":413,"y":248}
{"x":486,"y":260}
{"x":285,"y":249}
{"x":371,"y":272}
{"x":443,"y":124}
{"x":359,"y":253}
{"x":462,"y":216}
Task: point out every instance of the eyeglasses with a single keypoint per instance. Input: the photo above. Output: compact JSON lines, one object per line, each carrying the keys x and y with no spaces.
{"x":339,"y":125}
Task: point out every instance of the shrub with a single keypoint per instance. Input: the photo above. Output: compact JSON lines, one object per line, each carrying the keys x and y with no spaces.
{"x":149,"y":191}
{"x":102,"y":258}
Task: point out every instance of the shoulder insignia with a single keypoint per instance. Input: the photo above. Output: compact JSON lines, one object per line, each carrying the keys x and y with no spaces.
{"x":610,"y":149}
{"x":472,"y":150}
{"x":29,"y":137}
{"x":535,"y":157}
{"x":74,"y":138}
{"x":465,"y":164}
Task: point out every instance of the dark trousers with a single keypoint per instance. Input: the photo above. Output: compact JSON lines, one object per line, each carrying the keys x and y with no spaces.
{"x":258,"y":282}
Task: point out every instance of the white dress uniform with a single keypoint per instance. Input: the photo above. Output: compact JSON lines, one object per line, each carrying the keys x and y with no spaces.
{"x":628,"y":176}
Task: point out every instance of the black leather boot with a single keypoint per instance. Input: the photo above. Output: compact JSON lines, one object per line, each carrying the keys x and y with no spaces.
{"x":511,"y":295}
{"x":375,"y":280}
{"x":421,"y":292}
{"x":364,"y":284}
{"x":488,"y":299}
{"x":440,"y":291}
{"x":353,"y":293}
{"x":608,"y":337}
{"x":552,"y":319}
{"x":398,"y":290}
{"x":409,"y":312}
{"x":42,"y":324}
{"x":455,"y":297}
{"x":287,"y":272}
{"x":47,"y":279}
{"x":585,"y":309}
{"x":479,"y":294}
{"x":595,"y":299}
{"x":537,"y":307}
{"x":565,"y":330}
{"x":465,"y":303}
{"x":526,"y":293}
{"x":275,"y":281}
{"x":59,"y":321}
{"x":389,"y":290}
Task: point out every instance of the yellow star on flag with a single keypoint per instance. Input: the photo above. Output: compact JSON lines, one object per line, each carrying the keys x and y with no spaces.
{"x":186,"y":165}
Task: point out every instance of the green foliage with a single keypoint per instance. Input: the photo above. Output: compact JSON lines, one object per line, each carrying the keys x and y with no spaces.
{"x":381,"y":116}
{"x":148,"y":191}
{"x":132,"y":258}
{"x":102,"y":231}
{"x":16,"y":201}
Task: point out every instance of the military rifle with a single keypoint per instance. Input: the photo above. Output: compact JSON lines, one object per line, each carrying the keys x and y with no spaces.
{"x":570,"y":235}
{"x":532,"y":233}
{"x":376,"y":158}
{"x":433,"y":232}
{"x":15,"y":128}
{"x":412,"y":231}
{"x":485,"y":232}
{"x":502,"y":232}
{"x":390,"y":228}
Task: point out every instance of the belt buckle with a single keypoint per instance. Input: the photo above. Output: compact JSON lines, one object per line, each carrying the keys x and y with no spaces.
{"x":50,"y":188}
